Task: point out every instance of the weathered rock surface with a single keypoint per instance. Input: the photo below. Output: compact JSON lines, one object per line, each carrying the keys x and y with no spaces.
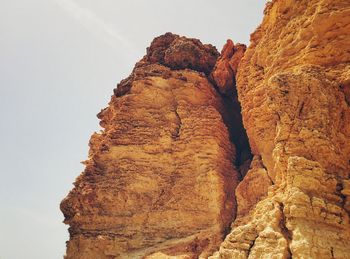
{"x":181,"y":52}
{"x":225,"y":70}
{"x":223,"y":76}
{"x":293,"y":87}
{"x":160,"y":177}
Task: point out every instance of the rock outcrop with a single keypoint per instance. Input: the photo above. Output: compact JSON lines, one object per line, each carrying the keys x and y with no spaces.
{"x":225,"y":70}
{"x":292,"y":81}
{"x":160,"y":177}
{"x":223,"y":77}
{"x":172,"y":174}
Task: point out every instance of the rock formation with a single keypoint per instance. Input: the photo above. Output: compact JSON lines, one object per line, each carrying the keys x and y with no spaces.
{"x":294,"y":201}
{"x":160,"y":177}
{"x":171,"y":175}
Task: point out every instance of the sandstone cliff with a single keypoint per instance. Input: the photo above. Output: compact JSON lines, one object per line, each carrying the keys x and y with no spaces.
{"x":293,"y":86}
{"x":161,"y":175}
{"x":171,"y":175}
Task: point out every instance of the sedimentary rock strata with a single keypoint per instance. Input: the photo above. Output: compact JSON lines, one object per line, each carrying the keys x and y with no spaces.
{"x":173,"y":174}
{"x":160,"y":177}
{"x":292,"y":86}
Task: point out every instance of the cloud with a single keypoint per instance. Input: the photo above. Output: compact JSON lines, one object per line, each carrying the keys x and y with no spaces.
{"x":96,"y":25}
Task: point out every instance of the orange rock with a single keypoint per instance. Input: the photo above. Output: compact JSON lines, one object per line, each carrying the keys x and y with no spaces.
{"x":225,"y":68}
{"x":292,"y":84}
{"x":160,"y":181}
{"x":160,"y":177}
{"x":178,"y":52}
{"x":252,"y":188}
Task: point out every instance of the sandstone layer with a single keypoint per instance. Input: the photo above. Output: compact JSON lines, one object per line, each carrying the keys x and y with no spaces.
{"x":172,"y":174}
{"x":293,"y":85}
{"x":160,"y":177}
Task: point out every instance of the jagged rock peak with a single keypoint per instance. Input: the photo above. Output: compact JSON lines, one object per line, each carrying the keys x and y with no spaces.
{"x":171,"y":52}
{"x":226,"y":67}
{"x":178,"y":52}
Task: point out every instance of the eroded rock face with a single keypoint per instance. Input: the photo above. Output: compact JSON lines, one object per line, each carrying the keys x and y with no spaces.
{"x":292,"y":84}
{"x":223,"y":76}
{"x":161,"y":181}
{"x":225,"y":70}
{"x":178,"y":52}
{"x":160,"y":177}
{"x":174,"y":52}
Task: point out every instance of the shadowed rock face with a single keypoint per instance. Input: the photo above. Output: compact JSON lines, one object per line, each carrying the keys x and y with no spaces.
{"x":160,"y":177}
{"x":223,"y":76}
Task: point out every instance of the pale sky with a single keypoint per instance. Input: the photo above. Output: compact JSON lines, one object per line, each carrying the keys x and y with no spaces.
{"x":59,"y":62}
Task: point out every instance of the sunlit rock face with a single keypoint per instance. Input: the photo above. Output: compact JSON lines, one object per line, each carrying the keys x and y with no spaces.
{"x":161,"y":176}
{"x":173,"y":174}
{"x":293,"y":86}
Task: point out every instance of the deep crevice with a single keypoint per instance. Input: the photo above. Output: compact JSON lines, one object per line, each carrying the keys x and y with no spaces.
{"x":288,"y":235}
{"x":179,"y":124}
{"x":232,"y":118}
{"x":238,"y":135}
{"x":252,"y":245}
